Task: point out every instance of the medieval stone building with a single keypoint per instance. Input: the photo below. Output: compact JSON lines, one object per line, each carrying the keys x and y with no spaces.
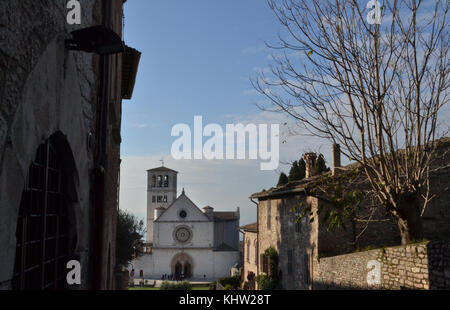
{"x":61,"y":91}
{"x":302,"y":245}
{"x":250,"y":257}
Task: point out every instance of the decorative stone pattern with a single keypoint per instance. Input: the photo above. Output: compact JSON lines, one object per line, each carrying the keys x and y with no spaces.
{"x":424,"y":265}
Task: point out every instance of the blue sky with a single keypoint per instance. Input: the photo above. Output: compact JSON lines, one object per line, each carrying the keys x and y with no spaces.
{"x":197,"y":57}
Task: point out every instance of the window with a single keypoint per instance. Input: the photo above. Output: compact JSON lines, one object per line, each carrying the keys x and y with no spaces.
{"x":269,"y":211}
{"x":166,"y":181}
{"x":248,"y":251}
{"x":182,"y":214}
{"x":45,"y":238}
{"x":159,"y":199}
{"x":298,"y":224}
{"x":289,"y":261}
{"x":165,"y":199}
{"x":265,"y":264}
{"x":306,"y":265}
{"x":256,"y":251}
{"x":153,"y":181}
{"x":160,"y":181}
{"x":153,"y":198}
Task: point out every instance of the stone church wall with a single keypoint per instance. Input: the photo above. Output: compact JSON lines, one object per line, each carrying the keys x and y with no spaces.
{"x":202,"y":234}
{"x":213,"y":264}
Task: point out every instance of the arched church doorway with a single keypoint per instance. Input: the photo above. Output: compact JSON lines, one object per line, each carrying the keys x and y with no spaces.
{"x":182,"y":266}
{"x":187,"y":270}
{"x":45,"y":235}
{"x":178,"y":268}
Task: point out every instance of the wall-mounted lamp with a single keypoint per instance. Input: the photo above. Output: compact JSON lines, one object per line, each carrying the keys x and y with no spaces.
{"x":96,"y":39}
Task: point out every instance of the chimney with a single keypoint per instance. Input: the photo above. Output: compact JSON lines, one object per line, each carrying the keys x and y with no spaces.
{"x":310,"y":159}
{"x":209,"y":212}
{"x":335,"y":158}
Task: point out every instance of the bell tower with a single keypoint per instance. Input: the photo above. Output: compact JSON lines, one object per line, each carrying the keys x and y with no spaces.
{"x":161,"y":192}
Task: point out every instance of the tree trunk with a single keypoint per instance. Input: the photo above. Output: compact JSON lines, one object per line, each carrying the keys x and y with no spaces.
{"x":409,"y":222}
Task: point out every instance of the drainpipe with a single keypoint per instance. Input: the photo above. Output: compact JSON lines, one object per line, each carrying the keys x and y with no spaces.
{"x":257,"y":235}
{"x":99,"y":172}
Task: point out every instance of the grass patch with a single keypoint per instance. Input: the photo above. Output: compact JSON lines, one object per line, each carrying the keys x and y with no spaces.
{"x":138,"y":288}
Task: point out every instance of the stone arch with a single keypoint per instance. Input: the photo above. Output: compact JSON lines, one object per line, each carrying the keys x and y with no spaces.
{"x":46,"y":219}
{"x":51,"y":102}
{"x":182,"y":263}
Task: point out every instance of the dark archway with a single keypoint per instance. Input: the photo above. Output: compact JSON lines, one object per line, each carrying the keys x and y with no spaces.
{"x":45,"y":235}
{"x":178,"y":269}
{"x":187,"y":270}
{"x":182,"y":264}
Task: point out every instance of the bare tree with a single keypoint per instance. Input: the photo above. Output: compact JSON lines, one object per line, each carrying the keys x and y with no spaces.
{"x":373,"y":88}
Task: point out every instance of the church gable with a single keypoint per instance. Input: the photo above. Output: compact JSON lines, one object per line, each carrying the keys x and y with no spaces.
{"x":182,"y":210}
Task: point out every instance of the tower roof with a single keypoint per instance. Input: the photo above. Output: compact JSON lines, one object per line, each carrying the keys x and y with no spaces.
{"x":162,"y":168}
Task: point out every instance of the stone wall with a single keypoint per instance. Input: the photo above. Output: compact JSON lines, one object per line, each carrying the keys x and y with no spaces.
{"x":423,"y":265}
{"x":45,"y":89}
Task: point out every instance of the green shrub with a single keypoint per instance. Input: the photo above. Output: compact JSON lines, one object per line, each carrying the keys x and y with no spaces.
{"x":265,"y":282}
{"x":234,"y":281}
{"x":228,"y":287}
{"x":179,"y":286}
{"x":212,"y":286}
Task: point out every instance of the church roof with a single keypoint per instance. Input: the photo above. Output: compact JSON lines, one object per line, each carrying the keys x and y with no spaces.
{"x":226,"y":216}
{"x":162,"y":168}
{"x":253,"y":227}
{"x":224,"y":248}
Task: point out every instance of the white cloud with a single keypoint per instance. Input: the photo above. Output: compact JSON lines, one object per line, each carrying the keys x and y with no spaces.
{"x":223,"y":184}
{"x":249,"y":92}
{"x":254,"y":50}
{"x":139,"y":126}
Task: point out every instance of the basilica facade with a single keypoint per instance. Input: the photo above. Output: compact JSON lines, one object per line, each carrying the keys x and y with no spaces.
{"x":183,"y":240}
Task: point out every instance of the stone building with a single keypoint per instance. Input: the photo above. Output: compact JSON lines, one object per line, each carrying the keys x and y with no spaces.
{"x":61,"y":91}
{"x":250,"y":257}
{"x":186,"y":242}
{"x":302,"y":244}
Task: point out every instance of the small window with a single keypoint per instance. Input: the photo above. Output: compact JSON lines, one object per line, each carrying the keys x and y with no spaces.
{"x":265,"y":264}
{"x":159,"y":198}
{"x":248,"y":250}
{"x":256,"y":251}
{"x":160,"y":181}
{"x":166,"y":181}
{"x":306,"y":265}
{"x":165,"y":199}
{"x":153,"y":198}
{"x":183,"y":214}
{"x":153,"y":181}
{"x":289,"y":261}
{"x":298,"y":224}
{"x":269,"y":215}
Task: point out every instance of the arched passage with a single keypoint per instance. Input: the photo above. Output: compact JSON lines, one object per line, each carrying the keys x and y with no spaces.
{"x":182,"y":266}
{"x":46,"y":235}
